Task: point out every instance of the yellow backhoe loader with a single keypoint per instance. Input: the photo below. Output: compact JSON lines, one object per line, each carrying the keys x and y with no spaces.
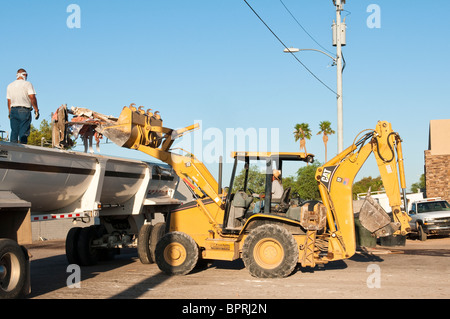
{"x":271,"y":242}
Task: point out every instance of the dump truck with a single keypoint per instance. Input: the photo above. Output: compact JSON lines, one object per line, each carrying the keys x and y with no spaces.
{"x":126,"y":198}
{"x":219,"y":225}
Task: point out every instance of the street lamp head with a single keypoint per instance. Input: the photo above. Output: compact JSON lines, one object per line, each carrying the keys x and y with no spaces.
{"x":291,"y":50}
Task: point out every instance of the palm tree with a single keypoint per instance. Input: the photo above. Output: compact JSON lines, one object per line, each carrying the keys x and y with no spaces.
{"x":302,"y":132}
{"x":325,"y":129}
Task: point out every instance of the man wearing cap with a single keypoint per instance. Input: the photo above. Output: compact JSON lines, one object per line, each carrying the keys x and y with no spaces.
{"x":21,"y":98}
{"x":277,"y":188}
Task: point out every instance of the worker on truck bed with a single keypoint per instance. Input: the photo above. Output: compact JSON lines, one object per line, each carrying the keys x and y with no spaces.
{"x":21,"y":98}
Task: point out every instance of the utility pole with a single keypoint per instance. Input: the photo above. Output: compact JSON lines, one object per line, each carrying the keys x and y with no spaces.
{"x":339,"y":40}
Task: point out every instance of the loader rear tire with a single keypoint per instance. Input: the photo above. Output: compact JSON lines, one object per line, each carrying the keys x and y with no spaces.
{"x":176,"y":253}
{"x":13,"y":269}
{"x":270,"y":251}
{"x":143,"y":246}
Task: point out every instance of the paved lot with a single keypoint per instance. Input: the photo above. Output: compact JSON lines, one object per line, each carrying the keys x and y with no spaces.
{"x":417,"y":270}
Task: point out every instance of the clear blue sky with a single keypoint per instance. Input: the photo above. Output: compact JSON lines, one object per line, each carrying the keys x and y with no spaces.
{"x":215,"y":62}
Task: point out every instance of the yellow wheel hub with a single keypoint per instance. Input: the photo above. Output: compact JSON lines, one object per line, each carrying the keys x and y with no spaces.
{"x":175,"y":254}
{"x":268,"y":253}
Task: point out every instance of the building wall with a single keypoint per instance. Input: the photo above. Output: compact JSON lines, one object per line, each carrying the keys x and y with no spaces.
{"x":437,"y":175}
{"x":437,"y":160}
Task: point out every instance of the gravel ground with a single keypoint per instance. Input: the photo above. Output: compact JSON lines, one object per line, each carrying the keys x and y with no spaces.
{"x":417,"y":270}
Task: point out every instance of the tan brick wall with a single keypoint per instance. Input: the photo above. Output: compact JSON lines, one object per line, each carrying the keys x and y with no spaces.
{"x":437,"y":175}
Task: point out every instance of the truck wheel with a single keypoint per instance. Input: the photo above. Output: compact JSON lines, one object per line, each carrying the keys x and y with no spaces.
{"x":422,"y":233}
{"x":159,"y":230}
{"x":176,"y":253}
{"x":72,"y":245}
{"x":270,"y":251}
{"x":87,"y":254}
{"x":12,"y":269}
{"x":143,"y":245}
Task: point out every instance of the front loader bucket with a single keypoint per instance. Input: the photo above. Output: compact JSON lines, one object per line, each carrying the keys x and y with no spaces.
{"x":374,"y":218}
{"x":129,"y":128}
{"x":120,"y":131}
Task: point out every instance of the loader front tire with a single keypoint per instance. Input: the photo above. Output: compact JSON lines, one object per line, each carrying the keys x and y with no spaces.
{"x":176,"y":253}
{"x":270,"y":251}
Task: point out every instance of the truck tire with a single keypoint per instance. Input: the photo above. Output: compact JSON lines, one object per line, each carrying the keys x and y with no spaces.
{"x":270,"y":251}
{"x":13,"y":269}
{"x":176,"y":253}
{"x":88,"y":255}
{"x":72,"y":245}
{"x":159,"y":230}
{"x":143,"y":246}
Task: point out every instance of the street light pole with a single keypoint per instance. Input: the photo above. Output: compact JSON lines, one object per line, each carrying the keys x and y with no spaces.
{"x":339,"y":40}
{"x":339,"y":31}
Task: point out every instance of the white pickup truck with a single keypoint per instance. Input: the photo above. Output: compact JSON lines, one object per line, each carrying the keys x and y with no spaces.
{"x":430,"y":216}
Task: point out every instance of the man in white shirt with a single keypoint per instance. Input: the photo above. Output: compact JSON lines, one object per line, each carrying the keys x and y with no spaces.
{"x":21,"y":98}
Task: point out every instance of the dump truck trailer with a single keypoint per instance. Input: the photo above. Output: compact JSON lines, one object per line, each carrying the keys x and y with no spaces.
{"x":127,"y":199}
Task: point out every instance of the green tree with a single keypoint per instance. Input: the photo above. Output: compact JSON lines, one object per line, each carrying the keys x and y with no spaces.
{"x":304,"y":183}
{"x":256,"y":180}
{"x":307,"y":187}
{"x":325,"y":129}
{"x":419,"y":185}
{"x":302,"y":132}
{"x":291,"y":181}
{"x":41,"y":136}
{"x":362,"y":186}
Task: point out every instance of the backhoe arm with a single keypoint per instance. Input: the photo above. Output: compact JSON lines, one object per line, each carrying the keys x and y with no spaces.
{"x":335,"y":180}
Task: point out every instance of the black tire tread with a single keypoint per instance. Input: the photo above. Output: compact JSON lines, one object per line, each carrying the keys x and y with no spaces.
{"x":284,"y":237}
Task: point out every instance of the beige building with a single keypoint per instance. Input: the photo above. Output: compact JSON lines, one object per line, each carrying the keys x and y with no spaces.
{"x":437,"y":160}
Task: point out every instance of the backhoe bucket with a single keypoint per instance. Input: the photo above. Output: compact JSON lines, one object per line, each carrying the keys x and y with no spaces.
{"x":374,"y":218}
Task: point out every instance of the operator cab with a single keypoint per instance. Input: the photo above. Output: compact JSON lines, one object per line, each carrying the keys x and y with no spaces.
{"x":242,"y":202}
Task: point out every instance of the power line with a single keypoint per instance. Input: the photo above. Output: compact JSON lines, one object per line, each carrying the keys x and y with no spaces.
{"x":295,"y":57}
{"x":312,"y":38}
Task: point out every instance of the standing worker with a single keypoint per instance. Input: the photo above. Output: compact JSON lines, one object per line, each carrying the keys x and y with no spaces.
{"x":21,"y":99}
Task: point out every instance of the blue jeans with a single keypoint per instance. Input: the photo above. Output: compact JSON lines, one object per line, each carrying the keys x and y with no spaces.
{"x":259,"y":207}
{"x":20,"y":119}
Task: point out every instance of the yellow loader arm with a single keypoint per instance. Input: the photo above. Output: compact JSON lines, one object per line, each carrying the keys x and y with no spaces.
{"x":143,"y":131}
{"x":336,"y":177}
